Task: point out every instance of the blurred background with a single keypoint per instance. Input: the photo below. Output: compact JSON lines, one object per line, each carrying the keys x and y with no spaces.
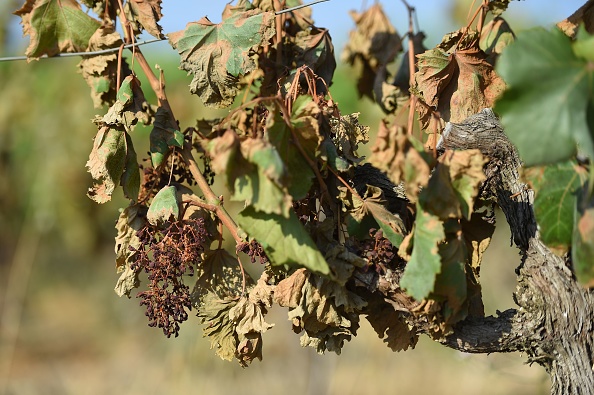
{"x":62,"y":328}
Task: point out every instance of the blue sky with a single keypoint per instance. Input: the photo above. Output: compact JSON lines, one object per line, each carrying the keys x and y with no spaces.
{"x":433,"y":15}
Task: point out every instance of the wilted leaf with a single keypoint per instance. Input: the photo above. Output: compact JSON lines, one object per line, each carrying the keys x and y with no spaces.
{"x":288,"y":292}
{"x":163,"y":136}
{"x":285,"y":240}
{"x":374,"y":204}
{"x":129,"y":223}
{"x":478,"y":233}
{"x":450,"y":283}
{"x":328,"y":313}
{"x":582,"y":248}
{"x":550,"y":91}
{"x":144,"y":14}
{"x":56,"y":26}
{"x":130,"y":180}
{"x":498,"y":6}
{"x":218,"y":273}
{"x":374,"y":42}
{"x":396,"y":155}
{"x":348,"y":133}
{"x":455,"y":79}
{"x":583,"y":16}
{"x":425,"y":262}
{"x":217,"y":55}
{"x":555,"y":201}
{"x":130,"y":106}
{"x":164,"y":206}
{"x":495,"y":36}
{"x":214,"y":313}
{"x":100,"y":71}
{"x":315,"y":50}
{"x":106,"y":163}
{"x":389,"y":326}
{"x":299,"y":175}
{"x":454,"y":184}
{"x":127,"y":282}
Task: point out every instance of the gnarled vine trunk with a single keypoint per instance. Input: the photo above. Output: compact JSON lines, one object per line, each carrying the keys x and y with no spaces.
{"x":554,"y":324}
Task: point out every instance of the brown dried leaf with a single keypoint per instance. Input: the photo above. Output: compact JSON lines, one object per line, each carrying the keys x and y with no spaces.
{"x":288,"y":292}
{"x":455,"y":79}
{"x":214,"y":313}
{"x":389,"y":325}
{"x":100,"y":71}
{"x":374,"y":42}
{"x":106,"y":163}
{"x":348,"y":134}
{"x":395,"y":154}
{"x":585,"y":14}
{"x":144,"y":14}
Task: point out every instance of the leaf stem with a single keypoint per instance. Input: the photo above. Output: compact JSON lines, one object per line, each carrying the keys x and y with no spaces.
{"x":213,"y":204}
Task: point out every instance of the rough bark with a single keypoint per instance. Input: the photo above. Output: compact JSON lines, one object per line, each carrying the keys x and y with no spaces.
{"x":554,"y":324}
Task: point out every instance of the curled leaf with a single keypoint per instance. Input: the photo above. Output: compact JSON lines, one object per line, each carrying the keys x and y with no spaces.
{"x":164,"y":206}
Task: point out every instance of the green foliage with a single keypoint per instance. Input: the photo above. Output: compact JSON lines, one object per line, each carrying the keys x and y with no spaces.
{"x":164,"y":206}
{"x":549,"y":97}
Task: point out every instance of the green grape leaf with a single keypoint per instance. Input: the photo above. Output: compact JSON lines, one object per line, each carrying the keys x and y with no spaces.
{"x":582,"y":249}
{"x":549,"y":91}
{"x":425,"y":262}
{"x":56,"y":26}
{"x":556,"y":187}
{"x":131,"y":177}
{"x":163,"y":136}
{"x":217,"y":55}
{"x":164,"y":206}
{"x":285,"y":240}
{"x":495,"y":36}
{"x":106,"y":163}
{"x":450,"y":283}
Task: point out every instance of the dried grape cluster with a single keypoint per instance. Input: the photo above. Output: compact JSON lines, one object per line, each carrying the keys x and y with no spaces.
{"x":254,"y":250}
{"x":167,"y":255}
{"x":378,"y":250}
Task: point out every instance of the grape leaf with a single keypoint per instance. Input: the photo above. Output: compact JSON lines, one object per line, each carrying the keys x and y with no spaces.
{"x":55,"y":26}
{"x":129,"y":223}
{"x":374,"y":204}
{"x":389,"y":325}
{"x":299,"y":177}
{"x":163,"y":136}
{"x":106,"y":163}
{"x":454,"y":184}
{"x":131,"y":177}
{"x":348,"y":134}
{"x":315,"y":50}
{"x":288,"y":292}
{"x":425,"y":262}
{"x":556,"y":187}
{"x":130,"y":106}
{"x":549,"y":92}
{"x":219,"y":273}
{"x":217,"y":55}
{"x":402,"y":161}
{"x":164,"y":206}
{"x":214,"y":313}
{"x":375,"y":42}
{"x":582,"y":249}
{"x":450,"y":282}
{"x":127,"y":281}
{"x":455,"y":79}
{"x":495,"y":36}
{"x":100,"y":71}
{"x":285,"y":240}
{"x":144,"y":14}
{"x":498,"y":6}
